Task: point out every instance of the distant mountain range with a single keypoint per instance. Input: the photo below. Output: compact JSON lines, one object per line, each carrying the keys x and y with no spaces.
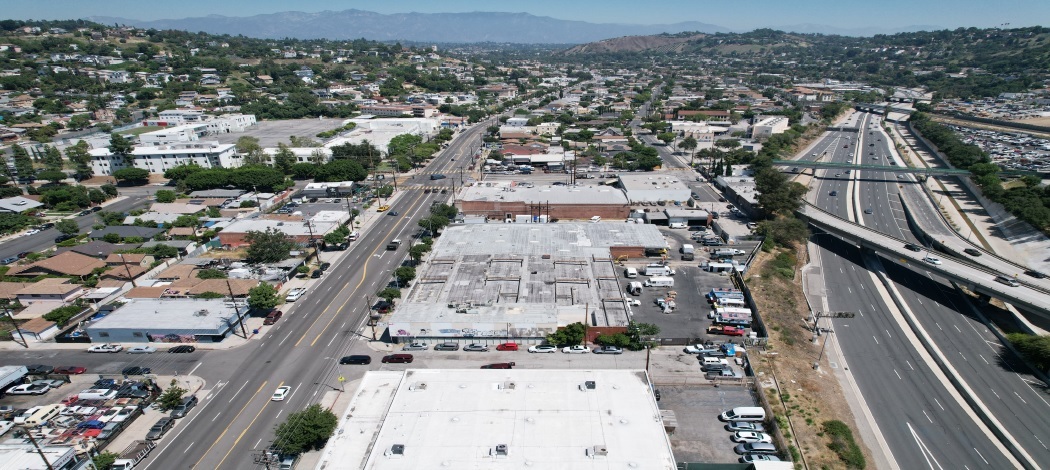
{"x":520,"y":28}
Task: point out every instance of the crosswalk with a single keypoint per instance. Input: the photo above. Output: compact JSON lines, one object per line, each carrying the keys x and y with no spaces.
{"x":424,"y":187}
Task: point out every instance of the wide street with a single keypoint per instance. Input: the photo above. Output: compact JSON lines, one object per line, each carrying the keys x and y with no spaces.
{"x":45,"y":239}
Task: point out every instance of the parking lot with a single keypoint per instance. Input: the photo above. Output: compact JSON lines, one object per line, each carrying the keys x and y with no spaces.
{"x":700,"y":436}
{"x":270,"y":133}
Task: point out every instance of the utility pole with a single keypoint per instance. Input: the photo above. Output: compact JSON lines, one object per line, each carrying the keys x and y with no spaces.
{"x":7,"y":313}
{"x":126,"y":268}
{"x":310,"y":228}
{"x":237,"y":309}
{"x":40,"y":451}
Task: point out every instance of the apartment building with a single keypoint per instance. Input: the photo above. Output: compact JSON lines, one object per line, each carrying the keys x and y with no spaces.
{"x":160,"y":158}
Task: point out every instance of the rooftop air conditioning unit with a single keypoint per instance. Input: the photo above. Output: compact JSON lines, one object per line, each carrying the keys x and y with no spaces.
{"x":395,"y":451}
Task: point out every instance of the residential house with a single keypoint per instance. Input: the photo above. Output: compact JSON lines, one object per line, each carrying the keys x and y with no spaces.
{"x":58,"y":290}
{"x":97,"y":249}
{"x":125,"y":231}
{"x":37,"y":329}
{"x":8,"y":289}
{"x":65,"y":264}
{"x":131,"y":259}
{"x":177,"y":208}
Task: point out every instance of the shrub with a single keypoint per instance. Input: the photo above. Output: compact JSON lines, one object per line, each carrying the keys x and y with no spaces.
{"x":842,"y":443}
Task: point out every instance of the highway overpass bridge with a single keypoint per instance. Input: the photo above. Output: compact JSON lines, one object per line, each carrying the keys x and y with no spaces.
{"x":1032,"y":295}
{"x":887,"y":168}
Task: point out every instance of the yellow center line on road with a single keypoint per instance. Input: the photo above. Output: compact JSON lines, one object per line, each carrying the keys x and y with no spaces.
{"x":246,"y":428}
{"x":364,"y":273}
{"x":228,"y":426}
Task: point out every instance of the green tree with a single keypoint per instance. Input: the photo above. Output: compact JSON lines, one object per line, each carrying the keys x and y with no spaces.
{"x":132,"y":175}
{"x":689,"y":144}
{"x":52,"y":175}
{"x":270,"y":246}
{"x":79,"y":121}
{"x":78,"y":155}
{"x":62,"y":315}
{"x":783,"y":230}
{"x":249,"y":147}
{"x":434,"y":223}
{"x":263,"y":297}
{"x":416,"y":252}
{"x":53,"y":158}
{"x":23,"y":164}
{"x":171,"y":397}
{"x":389,"y":294}
{"x":67,"y":227}
{"x":104,"y":461}
{"x":109,"y":189}
{"x":305,"y":430}
{"x":212,"y":274}
{"x":571,"y":334}
{"x":283,"y":159}
{"x":404,"y":275}
{"x":122,"y":148}
{"x":165,"y":196}
{"x":334,"y":238}
{"x":1036,"y":349}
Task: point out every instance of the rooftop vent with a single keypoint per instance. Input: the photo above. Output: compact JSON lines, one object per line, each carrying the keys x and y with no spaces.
{"x":499,"y":451}
{"x":588,"y":385}
{"x":418,"y":386}
{"x":597,"y":451}
{"x":395,"y":451}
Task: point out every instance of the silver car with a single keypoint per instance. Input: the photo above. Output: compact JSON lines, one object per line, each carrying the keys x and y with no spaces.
{"x":415,"y":347}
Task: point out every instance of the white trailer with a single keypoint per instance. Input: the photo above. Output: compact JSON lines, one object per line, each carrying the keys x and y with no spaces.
{"x":10,"y":375}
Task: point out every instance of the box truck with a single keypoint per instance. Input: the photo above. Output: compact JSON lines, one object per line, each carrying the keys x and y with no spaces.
{"x":688,"y":252}
{"x":659,"y":281}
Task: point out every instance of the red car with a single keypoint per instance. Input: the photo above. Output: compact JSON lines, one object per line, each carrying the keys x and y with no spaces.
{"x":725,"y":330}
{"x":273,"y":317}
{"x":499,"y":365}
{"x":507,"y":347}
{"x":70,"y":370}
{"x":398,"y":358}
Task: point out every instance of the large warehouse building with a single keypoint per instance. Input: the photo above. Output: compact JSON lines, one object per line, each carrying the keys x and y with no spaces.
{"x":649,"y":187}
{"x":513,"y":200}
{"x":520,"y":282}
{"x":168,"y":321}
{"x":458,"y":419}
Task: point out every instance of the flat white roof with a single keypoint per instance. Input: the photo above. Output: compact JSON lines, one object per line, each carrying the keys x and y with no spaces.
{"x":453,"y":418}
{"x":529,"y":193}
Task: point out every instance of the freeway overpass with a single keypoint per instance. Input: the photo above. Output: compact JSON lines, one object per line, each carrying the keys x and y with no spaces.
{"x":879,"y":108}
{"x":1032,"y":295}
{"x":886,"y":168}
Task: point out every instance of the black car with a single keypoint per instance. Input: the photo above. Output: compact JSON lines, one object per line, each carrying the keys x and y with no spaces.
{"x":39,"y":369}
{"x":1035,"y":274}
{"x":325,"y":266}
{"x":972,"y":252}
{"x":316,"y":274}
{"x":833,"y":193}
{"x":913,"y":247}
{"x":356,"y":359}
{"x":62,"y":238}
{"x":136,"y":370}
{"x":182,"y":348}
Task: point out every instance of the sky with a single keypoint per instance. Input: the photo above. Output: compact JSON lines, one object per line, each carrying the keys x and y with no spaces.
{"x":737,"y":15}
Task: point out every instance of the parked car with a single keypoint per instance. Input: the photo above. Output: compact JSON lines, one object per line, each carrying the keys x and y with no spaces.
{"x":142,"y":350}
{"x":751,"y":458}
{"x":415,"y":347}
{"x":105,"y":348}
{"x":447,"y":347}
{"x":734,"y":426}
{"x":325,"y":266}
{"x":29,"y":389}
{"x":475,"y":347}
{"x":1035,"y":274}
{"x":543,"y":348}
{"x":577,"y":349}
{"x":608,"y":350}
{"x":136,"y":370}
{"x":182,"y":348}
{"x":272,"y":317}
{"x":398,"y":358}
{"x":162,"y":427}
{"x":751,"y":436}
{"x":70,"y":370}
{"x":755,"y":448}
{"x":499,"y":365}
{"x":39,"y":369}
{"x":356,"y":359}
{"x":281,"y":393}
{"x":507,"y":347}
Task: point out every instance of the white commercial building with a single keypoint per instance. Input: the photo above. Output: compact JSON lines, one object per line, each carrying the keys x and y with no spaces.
{"x":654,"y":187}
{"x":520,"y":418}
{"x":766,"y":126}
{"x":379,"y":132}
{"x":159,"y":159}
{"x":223,"y":124}
{"x":174,"y":135}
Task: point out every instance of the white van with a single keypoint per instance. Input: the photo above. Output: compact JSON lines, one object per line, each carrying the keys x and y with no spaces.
{"x":42,"y":415}
{"x":596,"y":219}
{"x":744,"y":413}
{"x":97,"y":394}
{"x":678,"y":225}
{"x":295,"y":294}
{"x":658,"y":270}
{"x":630,"y":273}
{"x":659,"y":281}
{"x":634,"y":288}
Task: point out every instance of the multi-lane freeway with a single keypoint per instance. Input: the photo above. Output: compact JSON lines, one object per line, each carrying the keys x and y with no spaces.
{"x":873,"y":343}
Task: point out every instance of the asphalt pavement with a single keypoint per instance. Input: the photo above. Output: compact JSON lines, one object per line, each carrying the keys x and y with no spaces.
{"x":45,"y":239}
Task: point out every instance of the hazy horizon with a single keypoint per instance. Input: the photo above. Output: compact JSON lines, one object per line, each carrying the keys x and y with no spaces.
{"x":740,"y":16}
